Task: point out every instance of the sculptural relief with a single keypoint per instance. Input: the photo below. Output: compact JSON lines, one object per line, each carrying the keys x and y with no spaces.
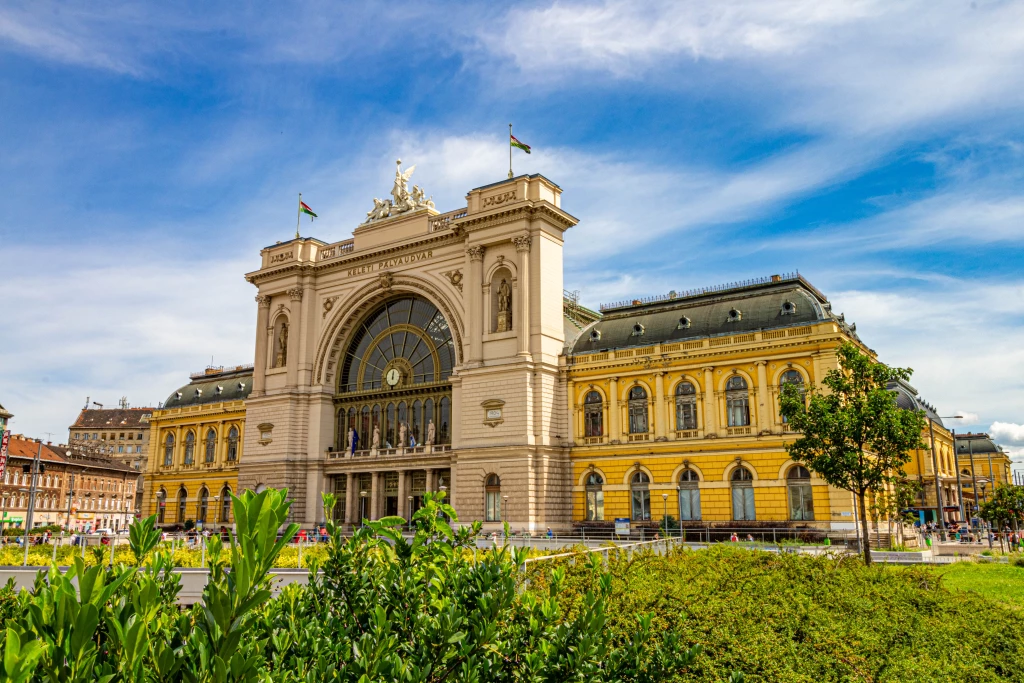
{"x":402,"y":431}
{"x":430,"y":433}
{"x":402,"y":200}
{"x":376,"y":437}
{"x":281,"y":359}
{"x":504,"y":307}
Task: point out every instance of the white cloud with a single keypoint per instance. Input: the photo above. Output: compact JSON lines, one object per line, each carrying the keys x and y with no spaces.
{"x":1007,"y":432}
{"x":865,"y":66}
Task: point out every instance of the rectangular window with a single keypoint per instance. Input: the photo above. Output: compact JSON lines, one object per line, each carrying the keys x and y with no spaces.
{"x":689,"y":505}
{"x":743,"y":503}
{"x":121,"y":436}
{"x":140,"y":436}
{"x":801,"y":502}
{"x":493,"y":505}
{"x":595,"y":505}
{"x":641,"y":505}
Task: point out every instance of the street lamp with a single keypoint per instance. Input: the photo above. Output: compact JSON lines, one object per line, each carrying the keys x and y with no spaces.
{"x":504,"y":516}
{"x":409,"y":525}
{"x":362,"y":506}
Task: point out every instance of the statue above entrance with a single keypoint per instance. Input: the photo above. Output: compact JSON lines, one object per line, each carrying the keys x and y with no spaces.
{"x":402,"y":200}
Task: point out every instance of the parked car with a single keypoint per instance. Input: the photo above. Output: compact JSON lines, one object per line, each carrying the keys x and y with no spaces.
{"x":104,"y":530}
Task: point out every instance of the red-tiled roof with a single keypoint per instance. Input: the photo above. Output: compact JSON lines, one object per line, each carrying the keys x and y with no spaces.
{"x":23,"y":447}
{"x":114,"y":418}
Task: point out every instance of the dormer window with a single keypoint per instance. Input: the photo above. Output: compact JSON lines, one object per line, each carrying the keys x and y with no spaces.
{"x":199,"y":392}
{"x":684,"y":323}
{"x":788,"y":308}
{"x":220,"y":389}
{"x":241,"y":386}
{"x":595,"y":335}
{"x":638,"y":330}
{"x":735,"y":315}
{"x":178,"y":394}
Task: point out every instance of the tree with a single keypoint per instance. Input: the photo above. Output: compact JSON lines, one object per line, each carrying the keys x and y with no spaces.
{"x":893,"y":503}
{"x":1004,"y":506}
{"x":853,"y":434}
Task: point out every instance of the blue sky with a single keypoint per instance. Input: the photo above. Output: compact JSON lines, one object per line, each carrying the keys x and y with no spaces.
{"x":147,"y":152}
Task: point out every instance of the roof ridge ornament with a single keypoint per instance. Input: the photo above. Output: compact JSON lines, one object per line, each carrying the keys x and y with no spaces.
{"x":402,"y":200}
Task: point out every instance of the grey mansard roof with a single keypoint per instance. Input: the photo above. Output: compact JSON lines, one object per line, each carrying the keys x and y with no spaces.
{"x":768,"y":303}
{"x":213,"y":387}
{"x":908,"y":399}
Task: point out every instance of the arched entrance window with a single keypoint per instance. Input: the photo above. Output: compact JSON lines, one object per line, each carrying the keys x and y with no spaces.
{"x":689,"y":496}
{"x":233,"y":444}
{"x":637,"y":410}
{"x":211,"y":445}
{"x":182,"y":503}
{"x":161,"y":506}
{"x":641,"y":497}
{"x":225,"y":505}
{"x":190,"y":448}
{"x":791,"y":377}
{"x":204,"y":505}
{"x":492,"y":498}
{"x":169,"y":450}
{"x":686,"y":407}
{"x":595,"y":497}
{"x":593,"y":415}
{"x":737,"y":402}
{"x":743,"y":495}
{"x":801,"y":499}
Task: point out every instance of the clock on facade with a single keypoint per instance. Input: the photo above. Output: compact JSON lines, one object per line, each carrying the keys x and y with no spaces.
{"x":393,"y":377}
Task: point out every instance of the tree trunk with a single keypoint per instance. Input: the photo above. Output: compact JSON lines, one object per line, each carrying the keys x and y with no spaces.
{"x":865,"y":532}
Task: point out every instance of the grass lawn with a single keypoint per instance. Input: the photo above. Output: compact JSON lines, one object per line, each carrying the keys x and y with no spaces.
{"x":1003,"y":583}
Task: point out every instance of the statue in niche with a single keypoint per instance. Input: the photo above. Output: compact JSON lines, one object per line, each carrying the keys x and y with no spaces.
{"x":353,"y":439}
{"x":504,"y":307}
{"x":430,"y":433}
{"x":376,"y":437}
{"x":282,"y":347}
{"x":402,"y":431}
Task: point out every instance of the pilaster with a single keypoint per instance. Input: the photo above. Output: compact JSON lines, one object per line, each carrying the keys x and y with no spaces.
{"x":710,"y":404}
{"x":259,"y":379}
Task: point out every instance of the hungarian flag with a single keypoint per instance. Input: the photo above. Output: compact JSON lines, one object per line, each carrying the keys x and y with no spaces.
{"x":304,"y":208}
{"x":521,"y":145}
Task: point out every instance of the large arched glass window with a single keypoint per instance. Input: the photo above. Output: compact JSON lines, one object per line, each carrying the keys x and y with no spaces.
{"x":641,"y":497}
{"x":743,"y":495}
{"x":689,"y":496}
{"x":637,"y":410}
{"x":211,"y":445}
{"x":686,"y":407}
{"x":801,"y":499}
{"x":169,"y":450}
{"x":737,"y":402}
{"x":408,"y":335}
{"x":492,"y":496}
{"x":204,"y":505}
{"x":190,"y":448}
{"x":233,"y":444}
{"x":595,"y":497}
{"x":225,"y":505}
{"x":593,"y":415}
{"x":182,"y":504}
{"x":791,"y":377}
{"x":444,"y":433}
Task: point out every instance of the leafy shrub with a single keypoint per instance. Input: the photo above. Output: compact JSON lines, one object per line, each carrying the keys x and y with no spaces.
{"x":1019,"y":561}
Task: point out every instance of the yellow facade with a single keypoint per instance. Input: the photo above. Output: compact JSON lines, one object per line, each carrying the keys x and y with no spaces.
{"x":921,"y":469}
{"x":195,"y":451}
{"x":713,"y":450}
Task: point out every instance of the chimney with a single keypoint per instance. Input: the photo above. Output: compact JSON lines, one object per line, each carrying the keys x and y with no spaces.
{"x":776,"y":278}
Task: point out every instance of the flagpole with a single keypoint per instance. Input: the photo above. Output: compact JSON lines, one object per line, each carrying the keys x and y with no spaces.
{"x":298,"y":216}
{"x":510,"y":151}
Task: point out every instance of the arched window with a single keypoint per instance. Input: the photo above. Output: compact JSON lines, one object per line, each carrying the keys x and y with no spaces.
{"x":415,"y":435}
{"x":641,"y":497}
{"x":686,"y":407}
{"x":233,"y":444}
{"x":637,"y":410}
{"x":390,"y":432}
{"x":792,"y":377}
{"x":801,"y":500}
{"x":737,"y":402}
{"x":169,"y":450}
{"x":593,"y":415}
{"x":161,"y":506}
{"x":225,"y":505}
{"x":190,"y":448}
{"x":743,"y":495}
{"x":595,"y":497}
{"x":446,"y":413}
{"x":211,"y":445}
{"x":689,"y":496}
{"x":182,"y":502}
{"x":492,"y":495}
{"x":204,"y":505}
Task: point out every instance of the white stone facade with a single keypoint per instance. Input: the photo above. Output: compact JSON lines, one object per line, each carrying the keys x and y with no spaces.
{"x":508,"y":407}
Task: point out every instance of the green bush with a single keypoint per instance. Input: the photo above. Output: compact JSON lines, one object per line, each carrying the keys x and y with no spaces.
{"x":1019,"y":561}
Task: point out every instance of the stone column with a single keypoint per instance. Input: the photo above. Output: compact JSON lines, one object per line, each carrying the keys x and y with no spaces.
{"x":764,"y":420}
{"x":523,"y":319}
{"x":375,"y":496}
{"x":259,"y":379}
{"x":710,"y":405}
{"x":659,"y":406}
{"x":351,"y":496}
{"x":294,"y":335}
{"x":571,"y":428}
{"x":431,"y":482}
{"x":613,"y":410}
{"x":474,"y":291}
{"x":403,"y":504}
